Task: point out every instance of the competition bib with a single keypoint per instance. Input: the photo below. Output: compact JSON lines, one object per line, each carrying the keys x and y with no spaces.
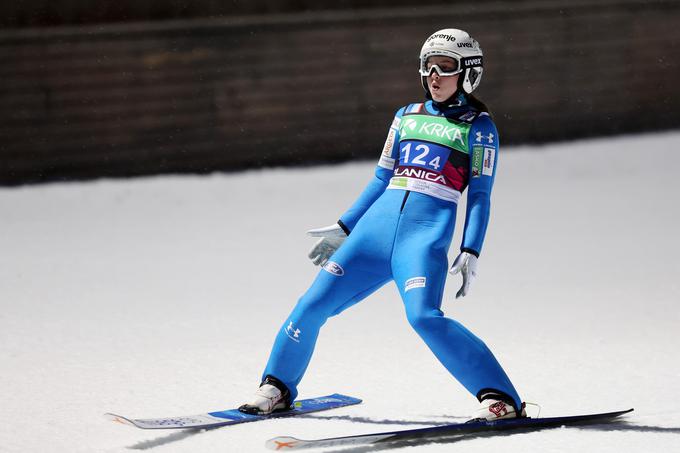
{"x":433,"y":156}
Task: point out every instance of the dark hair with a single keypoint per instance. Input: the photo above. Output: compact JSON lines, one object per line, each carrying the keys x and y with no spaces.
{"x":477,"y":103}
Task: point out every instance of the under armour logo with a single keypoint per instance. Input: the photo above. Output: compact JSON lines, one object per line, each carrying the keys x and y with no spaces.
{"x":489,"y":137}
{"x":292,"y":332}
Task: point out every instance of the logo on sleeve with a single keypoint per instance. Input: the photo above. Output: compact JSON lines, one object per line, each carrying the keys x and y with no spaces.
{"x":389,"y":142}
{"x":482,"y":137}
{"x":293,"y":333}
{"x":487,"y":166}
{"x":477,"y":159}
{"x":334,"y":268}
{"x":415,"y":282}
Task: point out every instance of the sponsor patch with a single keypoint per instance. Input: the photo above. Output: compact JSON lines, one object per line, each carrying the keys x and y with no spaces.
{"x":420,"y":173}
{"x":386,"y":162}
{"x":442,"y":36}
{"x":487,"y":166}
{"x":334,"y":268}
{"x":418,"y":185}
{"x":477,"y":158}
{"x":432,"y":129}
{"x":396,"y":122}
{"x":415,"y":282}
{"x":398,"y":182}
{"x":389,"y":142}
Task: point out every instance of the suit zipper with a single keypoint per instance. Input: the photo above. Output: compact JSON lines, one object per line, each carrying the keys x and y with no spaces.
{"x":404,"y":200}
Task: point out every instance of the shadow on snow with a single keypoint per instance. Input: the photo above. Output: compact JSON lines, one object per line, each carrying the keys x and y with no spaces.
{"x":613,"y":426}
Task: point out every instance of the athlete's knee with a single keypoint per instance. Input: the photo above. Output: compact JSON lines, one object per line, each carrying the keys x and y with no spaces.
{"x":423,"y":320}
{"x":311,"y":307}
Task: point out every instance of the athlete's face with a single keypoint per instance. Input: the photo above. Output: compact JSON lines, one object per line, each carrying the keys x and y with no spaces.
{"x":442,"y":87}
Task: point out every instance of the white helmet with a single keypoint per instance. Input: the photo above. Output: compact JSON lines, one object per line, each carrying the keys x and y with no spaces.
{"x":459,"y":45}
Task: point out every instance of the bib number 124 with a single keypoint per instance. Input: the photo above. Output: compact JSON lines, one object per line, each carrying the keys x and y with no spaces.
{"x":420,"y":155}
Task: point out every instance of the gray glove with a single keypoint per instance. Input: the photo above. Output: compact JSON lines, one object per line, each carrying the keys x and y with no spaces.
{"x":466,"y":264}
{"x":332,"y":238}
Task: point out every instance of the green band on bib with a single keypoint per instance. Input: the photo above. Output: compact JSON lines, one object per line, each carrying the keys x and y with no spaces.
{"x":435,"y":129}
{"x":399,"y":182}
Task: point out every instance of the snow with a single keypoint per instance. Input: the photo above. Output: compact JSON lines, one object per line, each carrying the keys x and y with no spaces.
{"x":161,"y":296}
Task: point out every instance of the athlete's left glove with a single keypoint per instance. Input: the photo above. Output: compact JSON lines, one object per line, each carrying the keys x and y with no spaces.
{"x":332,"y":238}
{"x":466,"y":264}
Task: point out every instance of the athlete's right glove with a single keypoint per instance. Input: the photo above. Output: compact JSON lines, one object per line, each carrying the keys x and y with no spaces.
{"x":466,"y":264}
{"x":332,"y":238}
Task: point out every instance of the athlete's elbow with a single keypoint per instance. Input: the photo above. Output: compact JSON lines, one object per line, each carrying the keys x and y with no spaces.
{"x":479,"y":197}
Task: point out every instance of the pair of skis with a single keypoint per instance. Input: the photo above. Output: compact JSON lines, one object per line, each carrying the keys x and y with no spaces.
{"x":234,"y":416}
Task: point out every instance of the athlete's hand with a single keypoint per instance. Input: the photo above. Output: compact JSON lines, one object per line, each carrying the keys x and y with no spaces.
{"x":466,"y":264}
{"x":332,"y":238}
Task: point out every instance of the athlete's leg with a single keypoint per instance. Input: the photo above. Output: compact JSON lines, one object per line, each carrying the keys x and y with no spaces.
{"x":362,"y":265}
{"x":420,"y":270}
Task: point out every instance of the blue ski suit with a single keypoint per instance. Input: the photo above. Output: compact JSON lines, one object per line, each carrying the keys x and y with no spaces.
{"x":400,"y":229}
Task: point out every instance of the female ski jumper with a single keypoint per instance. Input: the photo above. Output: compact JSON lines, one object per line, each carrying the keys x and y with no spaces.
{"x":401,"y":228}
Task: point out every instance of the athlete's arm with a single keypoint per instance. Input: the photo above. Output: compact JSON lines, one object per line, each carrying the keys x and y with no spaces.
{"x":483,"y":146}
{"x":379,"y":182}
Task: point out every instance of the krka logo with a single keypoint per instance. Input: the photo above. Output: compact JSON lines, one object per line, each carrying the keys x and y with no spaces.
{"x":412,"y":128}
{"x":409,"y":125}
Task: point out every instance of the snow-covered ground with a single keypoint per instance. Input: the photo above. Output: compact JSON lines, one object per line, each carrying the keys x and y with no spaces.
{"x":161,"y":296}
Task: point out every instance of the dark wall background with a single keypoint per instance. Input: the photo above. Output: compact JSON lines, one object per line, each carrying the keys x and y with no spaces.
{"x":231,"y":93}
{"x":23,"y":13}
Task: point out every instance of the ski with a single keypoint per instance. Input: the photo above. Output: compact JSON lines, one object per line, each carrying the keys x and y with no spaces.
{"x":444,"y":431}
{"x":234,"y":416}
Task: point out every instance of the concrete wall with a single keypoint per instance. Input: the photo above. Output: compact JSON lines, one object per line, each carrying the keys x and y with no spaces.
{"x":200,"y":96}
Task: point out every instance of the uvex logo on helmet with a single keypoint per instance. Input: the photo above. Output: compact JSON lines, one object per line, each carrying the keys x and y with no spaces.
{"x":470,"y":62}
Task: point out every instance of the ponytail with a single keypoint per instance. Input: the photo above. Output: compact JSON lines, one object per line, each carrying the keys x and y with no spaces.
{"x":477,"y":104}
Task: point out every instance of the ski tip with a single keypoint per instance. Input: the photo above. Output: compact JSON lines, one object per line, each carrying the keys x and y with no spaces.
{"x":118,"y":419}
{"x":283,"y":443}
{"x":346,"y":398}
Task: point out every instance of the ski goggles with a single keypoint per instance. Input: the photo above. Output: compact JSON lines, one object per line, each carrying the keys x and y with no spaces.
{"x":450,"y":68}
{"x":447,"y":68}
{"x":426,"y":70}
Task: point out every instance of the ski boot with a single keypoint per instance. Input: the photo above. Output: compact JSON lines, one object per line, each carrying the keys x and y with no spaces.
{"x":270,"y":397}
{"x":496,"y":407}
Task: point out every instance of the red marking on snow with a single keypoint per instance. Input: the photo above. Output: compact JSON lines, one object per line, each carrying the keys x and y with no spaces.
{"x":280,"y":445}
